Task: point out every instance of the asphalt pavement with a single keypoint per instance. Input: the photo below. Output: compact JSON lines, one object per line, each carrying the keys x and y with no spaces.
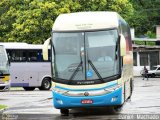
{"x":37,"y":105}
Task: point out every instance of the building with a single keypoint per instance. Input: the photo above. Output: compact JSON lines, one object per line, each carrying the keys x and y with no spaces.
{"x":146,"y":52}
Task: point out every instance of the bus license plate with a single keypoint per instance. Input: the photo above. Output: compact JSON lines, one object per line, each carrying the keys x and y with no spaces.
{"x":87,"y":101}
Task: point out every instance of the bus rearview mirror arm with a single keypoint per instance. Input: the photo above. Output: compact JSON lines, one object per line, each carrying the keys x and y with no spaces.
{"x":122,"y":45}
{"x":45,"y":49}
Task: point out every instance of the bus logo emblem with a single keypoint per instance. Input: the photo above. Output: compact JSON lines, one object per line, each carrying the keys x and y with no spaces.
{"x":86,"y":94}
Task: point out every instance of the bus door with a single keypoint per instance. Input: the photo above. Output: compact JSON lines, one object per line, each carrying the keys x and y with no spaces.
{"x":18,"y":74}
{"x":18,"y":68}
{"x":33,"y":67}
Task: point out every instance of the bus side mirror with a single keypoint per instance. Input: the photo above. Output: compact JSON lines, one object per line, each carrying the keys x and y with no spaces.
{"x":122,"y":45}
{"x":45,"y":49}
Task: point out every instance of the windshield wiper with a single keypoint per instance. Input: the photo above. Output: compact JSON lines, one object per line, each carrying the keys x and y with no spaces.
{"x":75,"y":71}
{"x":95,"y":70}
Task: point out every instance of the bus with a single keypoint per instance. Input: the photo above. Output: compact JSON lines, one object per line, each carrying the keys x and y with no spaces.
{"x":28,"y":69}
{"x":4,"y":70}
{"x":92,"y":60}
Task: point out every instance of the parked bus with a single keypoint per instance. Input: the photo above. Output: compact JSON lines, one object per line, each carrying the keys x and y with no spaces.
{"x":92,"y":63}
{"x":28,"y":69}
{"x":4,"y":70}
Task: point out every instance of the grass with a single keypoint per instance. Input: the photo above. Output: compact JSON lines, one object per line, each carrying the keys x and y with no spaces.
{"x":2,"y":106}
{"x":16,"y":88}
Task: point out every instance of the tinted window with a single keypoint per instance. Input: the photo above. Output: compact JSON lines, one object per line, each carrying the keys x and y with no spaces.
{"x":17,"y":55}
{"x":34,"y":56}
{"x":135,"y":59}
{"x":26,"y":55}
{"x":143,"y":59}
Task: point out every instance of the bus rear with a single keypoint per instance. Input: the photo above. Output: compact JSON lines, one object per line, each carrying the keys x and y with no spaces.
{"x":4,"y":70}
{"x":89,"y":61}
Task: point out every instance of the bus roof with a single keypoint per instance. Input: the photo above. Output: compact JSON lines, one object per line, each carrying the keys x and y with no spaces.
{"x":86,"y":21}
{"x":12,"y":45}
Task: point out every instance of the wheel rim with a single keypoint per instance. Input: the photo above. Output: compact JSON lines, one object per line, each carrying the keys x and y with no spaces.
{"x":46,"y":84}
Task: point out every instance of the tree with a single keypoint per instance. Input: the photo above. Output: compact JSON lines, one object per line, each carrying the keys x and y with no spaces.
{"x":123,"y":7}
{"x":31,"y":20}
{"x":34,"y":20}
{"x":7,"y":18}
{"x":146,"y":16}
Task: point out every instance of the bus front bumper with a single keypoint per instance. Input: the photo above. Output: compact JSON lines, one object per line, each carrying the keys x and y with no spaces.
{"x":111,"y":99}
{"x":4,"y":86}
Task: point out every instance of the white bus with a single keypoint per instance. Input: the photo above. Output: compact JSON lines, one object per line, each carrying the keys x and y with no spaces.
{"x":28,"y":69}
{"x":92,"y":60}
{"x":4,"y":70}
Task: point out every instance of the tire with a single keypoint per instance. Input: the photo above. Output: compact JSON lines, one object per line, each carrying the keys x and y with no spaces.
{"x":153,"y":75}
{"x":131,"y":89}
{"x":117,"y":109}
{"x":64,"y":112}
{"x":46,"y":84}
{"x":28,"y":88}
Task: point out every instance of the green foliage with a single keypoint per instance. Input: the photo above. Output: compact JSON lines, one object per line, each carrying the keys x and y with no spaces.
{"x":123,"y":7}
{"x":146,"y":16}
{"x":149,"y":43}
{"x":2,"y":106}
{"x":150,"y":34}
{"x":31,"y":20}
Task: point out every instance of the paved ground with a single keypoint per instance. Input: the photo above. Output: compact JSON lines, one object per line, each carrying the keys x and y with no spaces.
{"x":38,"y":104}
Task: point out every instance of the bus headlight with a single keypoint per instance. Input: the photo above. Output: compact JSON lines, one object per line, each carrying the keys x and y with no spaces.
{"x":111,"y":89}
{"x":61,"y":91}
{"x":59,"y":101}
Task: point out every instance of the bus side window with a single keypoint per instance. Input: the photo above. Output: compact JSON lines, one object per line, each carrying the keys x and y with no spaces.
{"x":35,"y":56}
{"x":17,"y":55}
{"x":32,"y":56}
{"x":39,"y":56}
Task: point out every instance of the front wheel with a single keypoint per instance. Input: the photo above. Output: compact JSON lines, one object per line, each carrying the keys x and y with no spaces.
{"x":29,"y":88}
{"x":153,"y":75}
{"x":64,"y":112}
{"x":46,"y":84}
{"x":117,"y":109}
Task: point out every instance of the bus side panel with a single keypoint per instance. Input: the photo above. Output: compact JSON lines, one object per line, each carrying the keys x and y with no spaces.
{"x":28,"y":74}
{"x":45,"y":72}
{"x":111,"y":99}
{"x":127,"y":71}
{"x":18,"y":72}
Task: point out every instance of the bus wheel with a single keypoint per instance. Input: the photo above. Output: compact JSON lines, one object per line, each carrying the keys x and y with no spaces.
{"x":117,"y":108}
{"x":64,"y":112}
{"x":131,"y":89}
{"x":46,"y":84}
{"x":28,"y":88}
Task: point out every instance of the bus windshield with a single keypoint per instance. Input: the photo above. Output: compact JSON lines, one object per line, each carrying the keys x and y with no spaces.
{"x":4,"y":66}
{"x":85,"y":55}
